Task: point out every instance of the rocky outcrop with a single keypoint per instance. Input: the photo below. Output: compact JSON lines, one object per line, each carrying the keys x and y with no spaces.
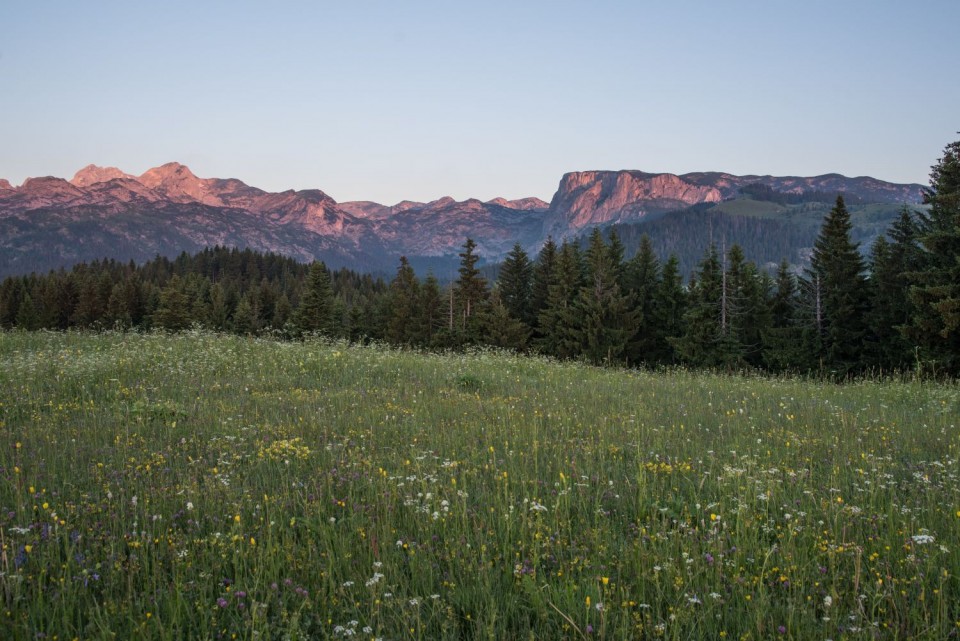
{"x":589,"y":198}
{"x":92,"y":174}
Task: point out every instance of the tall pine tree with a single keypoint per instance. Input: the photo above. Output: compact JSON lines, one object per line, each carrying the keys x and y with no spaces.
{"x":641,"y":280}
{"x":935,"y":290}
{"x":837,"y":269}
{"x":544,"y":276}
{"x":604,"y":318}
{"x":556,"y":331}
{"x":471,"y":295}
{"x":315,"y":313}
{"x":514,"y":284}
{"x":700,"y":343}
{"x":403,"y":302}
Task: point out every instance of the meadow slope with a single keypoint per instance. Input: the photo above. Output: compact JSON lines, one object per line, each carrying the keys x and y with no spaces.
{"x":216,"y":487}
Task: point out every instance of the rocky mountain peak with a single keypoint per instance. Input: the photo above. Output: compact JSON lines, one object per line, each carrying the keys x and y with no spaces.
{"x":166,"y":173}
{"x":5,"y":184}
{"x":92,"y":174}
{"x":446,"y":201}
{"x":524,"y":204}
{"x":178,"y":183}
{"x":50,"y":185}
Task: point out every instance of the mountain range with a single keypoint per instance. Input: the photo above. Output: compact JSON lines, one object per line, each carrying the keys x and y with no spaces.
{"x":103,"y":212}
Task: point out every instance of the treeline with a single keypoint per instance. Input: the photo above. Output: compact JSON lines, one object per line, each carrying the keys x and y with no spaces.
{"x":896,"y":310}
{"x":229,"y":290}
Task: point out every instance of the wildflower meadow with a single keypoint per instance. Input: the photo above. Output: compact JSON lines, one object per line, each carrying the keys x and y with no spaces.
{"x":201,"y":486}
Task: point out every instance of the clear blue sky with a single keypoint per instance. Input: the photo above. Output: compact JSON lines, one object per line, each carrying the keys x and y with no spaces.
{"x":392,"y":100}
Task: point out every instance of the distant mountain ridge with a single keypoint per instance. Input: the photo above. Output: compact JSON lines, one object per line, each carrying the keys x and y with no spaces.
{"x":103,"y":212}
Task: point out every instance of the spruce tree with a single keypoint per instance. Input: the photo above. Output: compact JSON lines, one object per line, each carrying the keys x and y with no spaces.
{"x":315,"y":313}
{"x":838,"y":272}
{"x":604,"y":318}
{"x":669,"y":309}
{"x":246,"y":317}
{"x":699,"y":344}
{"x":502,"y":329}
{"x":430,"y":310}
{"x":747,"y":311}
{"x":641,"y":280}
{"x":218,"y":314}
{"x":91,"y":307}
{"x":890,"y":307}
{"x":544,"y":276}
{"x":616,"y":251}
{"x":11,"y":295}
{"x":27,"y":316}
{"x":118,"y":313}
{"x":282,"y":311}
{"x":935,"y":290}
{"x":403,"y":320}
{"x":471,"y":296}
{"x":173,"y":308}
{"x":783,"y":340}
{"x":514,"y":284}
{"x":556,"y":331}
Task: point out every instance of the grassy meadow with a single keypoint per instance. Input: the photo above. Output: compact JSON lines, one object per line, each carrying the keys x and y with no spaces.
{"x":216,"y":487}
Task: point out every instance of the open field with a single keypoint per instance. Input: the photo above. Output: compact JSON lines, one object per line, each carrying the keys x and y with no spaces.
{"x":214,"y":487}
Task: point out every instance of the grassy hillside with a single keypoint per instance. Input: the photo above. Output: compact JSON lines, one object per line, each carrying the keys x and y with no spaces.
{"x":199,"y":486}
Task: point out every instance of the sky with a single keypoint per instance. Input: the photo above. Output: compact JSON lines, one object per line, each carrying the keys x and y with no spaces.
{"x":416,"y":100}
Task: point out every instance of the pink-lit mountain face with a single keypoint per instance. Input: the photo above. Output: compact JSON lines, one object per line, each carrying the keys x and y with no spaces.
{"x":103,"y":212}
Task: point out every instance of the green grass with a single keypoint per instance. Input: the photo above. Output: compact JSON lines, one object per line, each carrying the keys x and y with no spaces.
{"x":213,"y":487}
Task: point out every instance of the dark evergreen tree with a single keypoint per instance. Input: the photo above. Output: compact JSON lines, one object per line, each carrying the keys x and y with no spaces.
{"x":604,"y":319}
{"x":27,"y":316}
{"x":91,"y":307}
{"x":616,"y":250}
{"x":837,"y":271}
{"x":173,"y":308}
{"x":935,"y":290}
{"x":744,"y":311}
{"x":514,"y":284}
{"x":431,"y":312}
{"x":471,"y":295}
{"x":891,"y":307}
{"x":641,"y":280}
{"x":669,"y":310}
{"x":246,"y":317}
{"x":556,"y":325}
{"x":544,"y":276}
{"x":783,"y":341}
{"x":219,"y":313}
{"x":282,"y":311}
{"x":502,"y":329}
{"x":404,"y":319}
{"x":11,"y":295}
{"x":699,"y":344}
{"x":315,"y":313}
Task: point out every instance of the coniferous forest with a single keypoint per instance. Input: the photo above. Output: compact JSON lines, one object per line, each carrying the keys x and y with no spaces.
{"x":893,"y":307}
